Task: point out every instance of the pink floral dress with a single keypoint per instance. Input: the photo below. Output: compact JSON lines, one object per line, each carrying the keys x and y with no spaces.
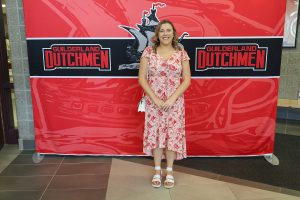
{"x":165,"y":129}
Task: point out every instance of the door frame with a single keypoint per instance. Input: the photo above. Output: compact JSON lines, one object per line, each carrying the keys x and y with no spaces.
{"x":10,"y":134}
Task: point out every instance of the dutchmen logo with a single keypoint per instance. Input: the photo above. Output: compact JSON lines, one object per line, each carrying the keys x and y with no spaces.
{"x":231,"y":56}
{"x":73,"y":56}
{"x":142,"y":36}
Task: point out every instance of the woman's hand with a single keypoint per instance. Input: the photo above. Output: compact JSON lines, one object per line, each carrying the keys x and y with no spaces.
{"x":158,"y":102}
{"x":167,"y":105}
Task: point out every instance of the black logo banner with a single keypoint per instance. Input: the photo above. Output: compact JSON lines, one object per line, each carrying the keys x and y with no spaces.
{"x":221,"y":57}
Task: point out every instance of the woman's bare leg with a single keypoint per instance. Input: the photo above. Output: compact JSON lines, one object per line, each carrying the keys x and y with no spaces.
{"x":170,"y":158}
{"x":157,"y":154}
{"x":170,"y":155}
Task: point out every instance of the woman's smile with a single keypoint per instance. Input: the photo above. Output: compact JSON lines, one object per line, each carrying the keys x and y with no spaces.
{"x":166,"y":34}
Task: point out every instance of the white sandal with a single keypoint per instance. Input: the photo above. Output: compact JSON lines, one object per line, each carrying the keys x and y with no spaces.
{"x":169,"y":179}
{"x":157,"y":178}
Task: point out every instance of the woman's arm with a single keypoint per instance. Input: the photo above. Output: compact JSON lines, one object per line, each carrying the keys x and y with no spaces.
{"x":186,"y":76}
{"x":144,"y":82}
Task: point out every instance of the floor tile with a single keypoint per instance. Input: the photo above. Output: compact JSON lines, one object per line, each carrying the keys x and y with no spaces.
{"x":202,"y":191}
{"x":28,"y":152}
{"x":79,"y":181}
{"x":248,"y":193}
{"x":284,"y":198}
{"x":141,"y":159}
{"x":75,"y":194}
{"x":7,"y":159}
{"x":10,"y":149}
{"x":27,"y":159}
{"x":29,"y":170}
{"x":280,"y":198}
{"x":189,"y":186}
{"x":293,"y":127}
{"x":280,"y":126}
{"x":248,"y":183}
{"x":183,"y":179}
{"x":117,"y":192}
{"x":196,"y":172}
{"x":2,"y":167}
{"x":7,"y":154}
{"x":133,"y":182}
{"x":24,"y":182}
{"x":291,"y":192}
{"x":87,"y":159}
{"x":20,"y":195}
{"x":84,"y":168}
{"x":293,"y":113}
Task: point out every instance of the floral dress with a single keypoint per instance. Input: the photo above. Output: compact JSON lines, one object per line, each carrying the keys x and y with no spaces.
{"x":165,"y":129}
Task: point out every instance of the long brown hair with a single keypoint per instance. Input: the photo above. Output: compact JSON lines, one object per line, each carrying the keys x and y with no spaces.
{"x":156,"y":38}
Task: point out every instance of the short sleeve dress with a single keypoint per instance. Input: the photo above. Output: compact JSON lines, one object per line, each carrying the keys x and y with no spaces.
{"x":165,"y":129}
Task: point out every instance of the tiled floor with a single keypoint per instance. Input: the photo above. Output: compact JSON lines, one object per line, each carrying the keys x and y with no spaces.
{"x":290,"y":127}
{"x":55,"y":177}
{"x":7,"y":155}
{"x":132,"y":185}
{"x":89,"y":178}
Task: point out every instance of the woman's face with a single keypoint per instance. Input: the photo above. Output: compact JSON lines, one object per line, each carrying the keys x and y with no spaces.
{"x":166,"y":34}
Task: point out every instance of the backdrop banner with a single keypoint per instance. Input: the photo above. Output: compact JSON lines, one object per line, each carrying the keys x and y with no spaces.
{"x":84,"y":59}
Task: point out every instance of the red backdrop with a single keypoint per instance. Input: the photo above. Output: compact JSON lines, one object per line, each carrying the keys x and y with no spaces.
{"x":227,"y":114}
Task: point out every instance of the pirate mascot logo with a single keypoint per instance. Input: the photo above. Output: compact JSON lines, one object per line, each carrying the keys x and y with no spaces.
{"x":142,"y":36}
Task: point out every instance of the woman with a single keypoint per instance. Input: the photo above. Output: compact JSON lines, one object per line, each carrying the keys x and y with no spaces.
{"x":161,"y":68}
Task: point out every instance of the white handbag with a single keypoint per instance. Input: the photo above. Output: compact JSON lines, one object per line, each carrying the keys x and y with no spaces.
{"x":142,"y":102}
{"x":142,"y":105}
